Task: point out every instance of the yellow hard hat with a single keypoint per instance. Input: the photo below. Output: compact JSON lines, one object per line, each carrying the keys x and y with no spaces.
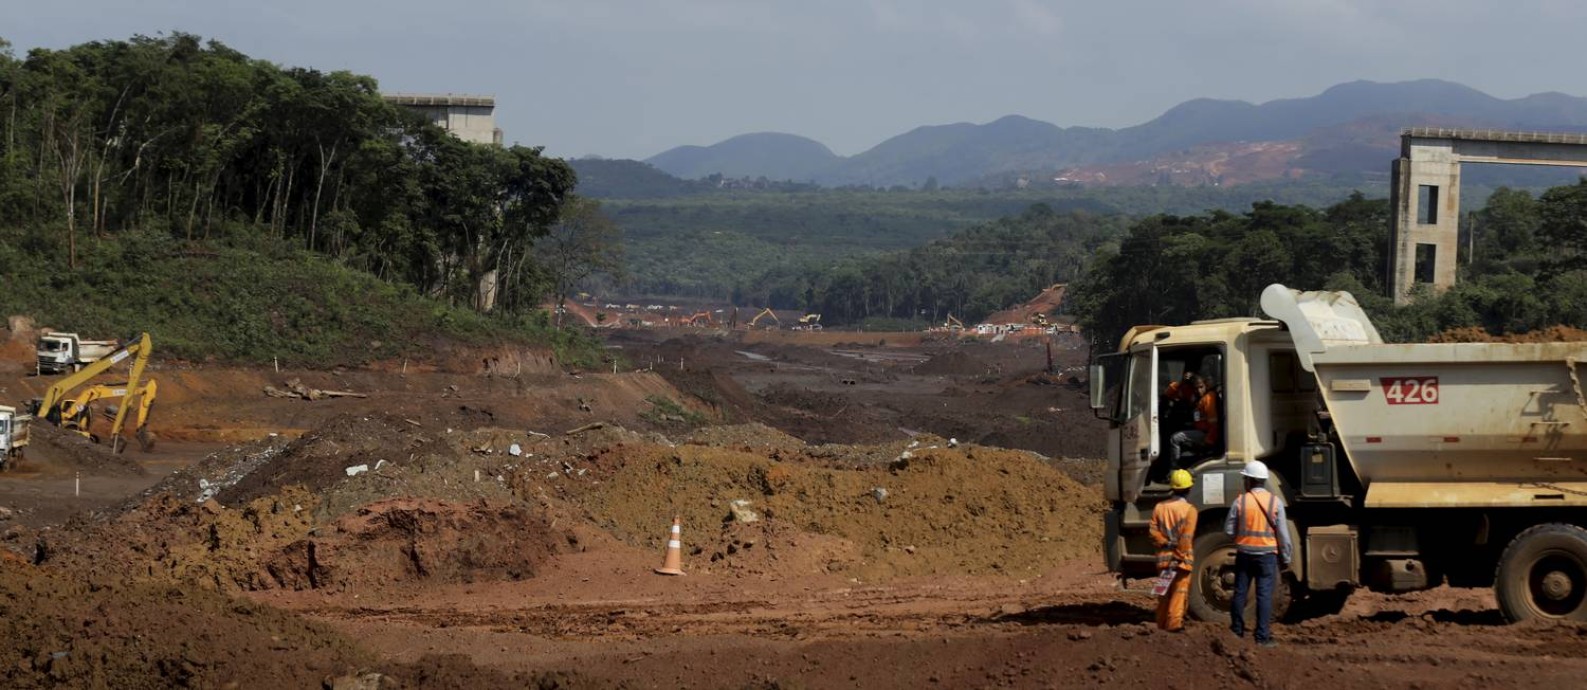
{"x":1180,"y":479}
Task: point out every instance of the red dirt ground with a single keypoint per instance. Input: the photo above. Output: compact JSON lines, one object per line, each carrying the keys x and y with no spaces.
{"x":504,"y":532}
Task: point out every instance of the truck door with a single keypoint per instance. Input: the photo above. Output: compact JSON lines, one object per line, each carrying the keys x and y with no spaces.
{"x":1140,"y":444}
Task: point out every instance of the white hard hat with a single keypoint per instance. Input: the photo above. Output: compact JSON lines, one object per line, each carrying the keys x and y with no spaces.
{"x":1255,"y":469}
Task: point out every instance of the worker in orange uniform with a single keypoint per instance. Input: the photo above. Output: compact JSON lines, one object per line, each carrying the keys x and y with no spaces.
{"x":1204,"y":426}
{"x":1174,"y":532}
{"x":1256,"y":521}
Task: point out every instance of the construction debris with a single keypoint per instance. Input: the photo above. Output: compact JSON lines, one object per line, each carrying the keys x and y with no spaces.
{"x":296,"y":389}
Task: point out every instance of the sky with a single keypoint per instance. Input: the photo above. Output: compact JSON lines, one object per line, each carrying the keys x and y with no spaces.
{"x":630,"y":79}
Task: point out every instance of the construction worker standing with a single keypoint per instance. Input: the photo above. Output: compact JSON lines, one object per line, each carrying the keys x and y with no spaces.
{"x":1256,"y":521}
{"x":1174,"y":532}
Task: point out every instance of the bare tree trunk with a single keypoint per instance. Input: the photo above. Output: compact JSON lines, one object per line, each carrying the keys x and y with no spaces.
{"x":319,"y":188}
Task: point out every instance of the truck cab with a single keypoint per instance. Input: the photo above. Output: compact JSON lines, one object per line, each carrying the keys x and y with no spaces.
{"x":1266,"y":410}
{"x":63,"y":352}
{"x":13,"y":435}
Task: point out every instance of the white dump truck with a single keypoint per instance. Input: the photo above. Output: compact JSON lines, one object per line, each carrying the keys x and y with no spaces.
{"x":1404,"y":466}
{"x":63,"y":352}
{"x":13,"y":435}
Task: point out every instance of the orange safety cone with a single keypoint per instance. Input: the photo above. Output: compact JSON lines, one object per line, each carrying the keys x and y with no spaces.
{"x":673,"y":565}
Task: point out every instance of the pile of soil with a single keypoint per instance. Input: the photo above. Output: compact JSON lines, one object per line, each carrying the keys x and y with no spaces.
{"x":1473,"y":334}
{"x":420,"y":505}
{"x":67,"y":629}
{"x":931,"y":510}
{"x":408,"y":540}
{"x":951,"y":363}
{"x":70,"y":451}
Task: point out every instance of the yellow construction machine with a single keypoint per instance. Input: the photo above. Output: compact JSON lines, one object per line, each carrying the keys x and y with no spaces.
{"x":953,"y":323}
{"x":73,"y":412}
{"x":810,"y":322}
{"x":76,"y":413}
{"x":763,"y":314}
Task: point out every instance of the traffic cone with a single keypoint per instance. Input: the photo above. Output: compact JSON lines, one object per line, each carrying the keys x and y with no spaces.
{"x":673,"y":565}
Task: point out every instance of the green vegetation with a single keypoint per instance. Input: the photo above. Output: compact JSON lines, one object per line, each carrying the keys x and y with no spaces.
{"x":248,"y":299}
{"x":1528,"y":270}
{"x":665,"y":410}
{"x":243,"y":210}
{"x":722,"y":244}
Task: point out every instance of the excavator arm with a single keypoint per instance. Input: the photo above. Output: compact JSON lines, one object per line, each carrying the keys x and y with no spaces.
{"x":138,"y":349}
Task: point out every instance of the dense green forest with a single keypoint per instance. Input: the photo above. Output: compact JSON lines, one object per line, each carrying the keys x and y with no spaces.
{"x":1523,"y":266}
{"x":742,"y":239}
{"x":141,"y":141}
{"x":713,"y":243}
{"x":970,"y":274}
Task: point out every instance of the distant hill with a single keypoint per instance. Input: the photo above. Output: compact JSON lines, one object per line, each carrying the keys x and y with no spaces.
{"x":628,"y":179}
{"x":1349,"y":130}
{"x":776,"y":156}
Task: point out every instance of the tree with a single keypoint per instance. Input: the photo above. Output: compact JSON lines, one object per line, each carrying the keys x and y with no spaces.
{"x":582,"y":243}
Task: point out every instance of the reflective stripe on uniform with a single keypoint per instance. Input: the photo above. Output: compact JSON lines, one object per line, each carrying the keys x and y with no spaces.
{"x":1254,"y":532}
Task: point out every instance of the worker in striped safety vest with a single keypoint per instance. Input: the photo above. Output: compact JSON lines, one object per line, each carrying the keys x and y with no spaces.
{"x":1174,"y":532}
{"x":1256,"y":521}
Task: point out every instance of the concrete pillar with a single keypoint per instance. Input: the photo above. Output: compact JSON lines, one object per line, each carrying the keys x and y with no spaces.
{"x":1431,"y":165}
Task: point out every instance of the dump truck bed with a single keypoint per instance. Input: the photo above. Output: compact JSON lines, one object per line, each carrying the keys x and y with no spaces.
{"x":1458,"y":412}
{"x":1465,"y":424}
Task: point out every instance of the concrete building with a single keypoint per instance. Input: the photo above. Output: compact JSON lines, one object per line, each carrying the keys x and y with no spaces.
{"x":470,"y":118}
{"x":1425,"y":193}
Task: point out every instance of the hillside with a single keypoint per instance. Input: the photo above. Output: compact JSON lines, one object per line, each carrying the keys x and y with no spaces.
{"x":251,"y":301}
{"x":750,"y":155}
{"x":1343,"y":131}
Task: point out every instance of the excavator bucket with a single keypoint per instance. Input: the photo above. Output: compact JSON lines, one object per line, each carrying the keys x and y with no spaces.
{"x":145,"y":440}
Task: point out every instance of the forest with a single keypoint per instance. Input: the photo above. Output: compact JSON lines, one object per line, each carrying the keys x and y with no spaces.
{"x":1522,"y":267}
{"x":177,"y":135}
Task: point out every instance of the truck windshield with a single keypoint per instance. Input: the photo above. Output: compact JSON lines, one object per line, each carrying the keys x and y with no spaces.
{"x":53,"y":345}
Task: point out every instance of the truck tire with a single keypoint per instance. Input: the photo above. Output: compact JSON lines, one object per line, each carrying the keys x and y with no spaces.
{"x":1212,"y":583}
{"x":1543,"y":574}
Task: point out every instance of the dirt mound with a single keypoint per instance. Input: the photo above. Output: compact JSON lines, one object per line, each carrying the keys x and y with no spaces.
{"x":926,"y":511}
{"x":403,"y":540}
{"x":417,"y":504}
{"x":65,"y":629}
{"x":71,"y":452}
{"x":1473,"y":334}
{"x":950,"y":363}
{"x":744,"y":437}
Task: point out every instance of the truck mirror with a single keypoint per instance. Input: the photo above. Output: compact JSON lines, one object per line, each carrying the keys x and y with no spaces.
{"x":1099,"y":388}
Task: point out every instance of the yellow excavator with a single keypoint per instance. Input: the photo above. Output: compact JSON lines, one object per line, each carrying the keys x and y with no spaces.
{"x":72,"y":412}
{"x":763,"y":314}
{"x":953,"y":323}
{"x":810,"y":322}
{"x":75,"y":413}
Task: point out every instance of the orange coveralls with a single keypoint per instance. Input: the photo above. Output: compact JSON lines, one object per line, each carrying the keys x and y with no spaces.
{"x":1173,"y":530}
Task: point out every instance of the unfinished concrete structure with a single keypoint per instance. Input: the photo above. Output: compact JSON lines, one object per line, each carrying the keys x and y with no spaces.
{"x":1426,"y":193}
{"x":470,"y":118}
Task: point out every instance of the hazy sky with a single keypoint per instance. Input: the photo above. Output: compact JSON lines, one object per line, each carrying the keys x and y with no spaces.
{"x":626,"y":78}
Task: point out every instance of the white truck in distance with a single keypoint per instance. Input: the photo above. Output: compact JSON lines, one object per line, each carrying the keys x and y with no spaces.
{"x":62,"y":352}
{"x":13,"y":435}
{"x":1404,"y":466}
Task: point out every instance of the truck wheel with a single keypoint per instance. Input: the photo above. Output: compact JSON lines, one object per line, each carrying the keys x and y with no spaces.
{"x":1543,"y":574}
{"x":1212,"y":583}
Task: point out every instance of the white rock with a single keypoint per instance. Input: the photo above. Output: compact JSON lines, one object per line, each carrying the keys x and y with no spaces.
{"x":356,"y":470}
{"x":741,"y":511}
{"x":515,"y":450}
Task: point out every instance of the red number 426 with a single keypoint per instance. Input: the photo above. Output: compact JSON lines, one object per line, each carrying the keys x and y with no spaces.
{"x":1411,"y":390}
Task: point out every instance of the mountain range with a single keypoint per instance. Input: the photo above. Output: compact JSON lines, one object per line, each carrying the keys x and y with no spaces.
{"x":1349,"y":130}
